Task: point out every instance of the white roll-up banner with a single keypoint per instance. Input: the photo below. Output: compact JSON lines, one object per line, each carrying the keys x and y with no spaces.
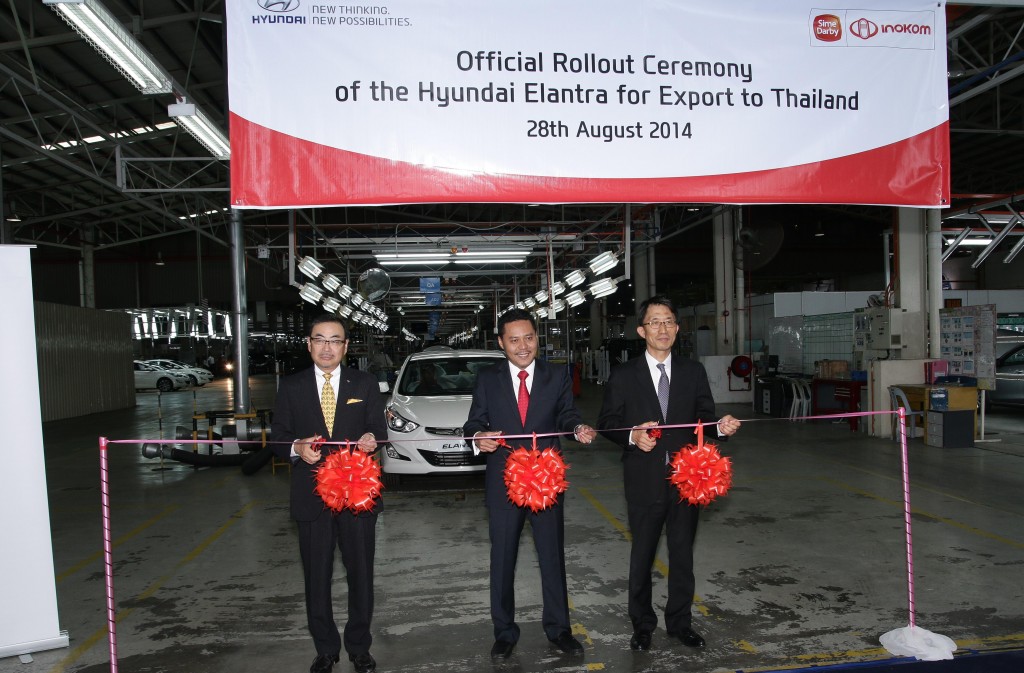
{"x":587,"y":101}
{"x":28,"y":594}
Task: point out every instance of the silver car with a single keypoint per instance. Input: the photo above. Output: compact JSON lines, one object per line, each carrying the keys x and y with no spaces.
{"x":1009,"y":377}
{"x":148,"y":376}
{"x":426,"y":411}
{"x":197,"y":376}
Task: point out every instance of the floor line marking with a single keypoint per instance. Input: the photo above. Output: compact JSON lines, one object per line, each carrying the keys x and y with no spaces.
{"x":121,"y":615}
{"x":118,"y":542}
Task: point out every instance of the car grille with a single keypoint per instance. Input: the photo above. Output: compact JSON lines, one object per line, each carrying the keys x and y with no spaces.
{"x":452,"y":459}
{"x":444,"y":432}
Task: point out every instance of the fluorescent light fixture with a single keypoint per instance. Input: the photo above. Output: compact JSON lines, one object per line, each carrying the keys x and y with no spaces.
{"x":201,"y":128}
{"x":412,"y":255}
{"x":603,"y":262}
{"x":358,"y":300}
{"x":104,"y":32}
{"x":602,"y":288}
{"x":557,"y":288}
{"x":540,"y":312}
{"x":310,"y":267}
{"x":557,"y":305}
{"x":311,"y":293}
{"x":330,"y":281}
{"x":541,"y":296}
{"x":490,"y":260}
{"x":575,"y":278}
{"x":519,"y":304}
{"x":405,"y":262}
{"x":528,"y":303}
{"x":345,"y":311}
{"x":494,"y":253}
{"x":331,"y":304}
{"x":575,"y":298}
{"x":972,"y":241}
{"x":345,"y":291}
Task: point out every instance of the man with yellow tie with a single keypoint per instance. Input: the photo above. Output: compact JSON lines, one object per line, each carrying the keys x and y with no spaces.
{"x":335,"y":403}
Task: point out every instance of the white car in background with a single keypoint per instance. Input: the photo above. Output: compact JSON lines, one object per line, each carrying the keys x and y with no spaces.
{"x":197,"y":376}
{"x":148,"y":376}
{"x":426,"y":411}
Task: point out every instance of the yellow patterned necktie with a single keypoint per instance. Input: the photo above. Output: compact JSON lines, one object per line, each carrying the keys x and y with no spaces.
{"x":328,"y":403}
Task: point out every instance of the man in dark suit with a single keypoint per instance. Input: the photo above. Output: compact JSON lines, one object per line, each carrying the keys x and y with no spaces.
{"x":522,"y":396}
{"x":658,"y":389}
{"x":336,"y":403}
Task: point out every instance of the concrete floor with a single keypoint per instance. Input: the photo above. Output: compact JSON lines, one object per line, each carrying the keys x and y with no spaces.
{"x":802,"y":564}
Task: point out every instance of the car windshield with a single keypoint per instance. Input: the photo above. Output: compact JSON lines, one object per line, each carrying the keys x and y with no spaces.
{"x":454,"y":376}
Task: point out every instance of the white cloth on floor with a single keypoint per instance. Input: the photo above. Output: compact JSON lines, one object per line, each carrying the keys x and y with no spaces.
{"x":913,"y":641}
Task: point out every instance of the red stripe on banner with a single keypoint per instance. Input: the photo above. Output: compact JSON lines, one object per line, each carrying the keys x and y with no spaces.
{"x":273,"y":170}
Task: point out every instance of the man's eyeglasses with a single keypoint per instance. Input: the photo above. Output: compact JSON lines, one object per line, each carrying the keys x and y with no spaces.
{"x":660,"y":324}
{"x":320,"y":342}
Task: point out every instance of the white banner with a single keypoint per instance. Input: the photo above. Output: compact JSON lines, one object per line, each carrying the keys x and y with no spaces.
{"x":587,"y":101}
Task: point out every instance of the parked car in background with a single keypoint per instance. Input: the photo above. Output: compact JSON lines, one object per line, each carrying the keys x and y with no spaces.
{"x":426,"y":410}
{"x":1009,"y":388}
{"x":149,"y":376}
{"x":197,"y":376}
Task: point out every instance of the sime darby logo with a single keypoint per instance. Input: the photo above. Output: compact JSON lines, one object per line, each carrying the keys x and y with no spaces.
{"x":827,"y":28}
{"x":279,"y":5}
{"x":864,"y":29}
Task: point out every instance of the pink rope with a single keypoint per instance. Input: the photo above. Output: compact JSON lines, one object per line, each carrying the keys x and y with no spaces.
{"x":108,"y":555}
{"x":906,"y":512}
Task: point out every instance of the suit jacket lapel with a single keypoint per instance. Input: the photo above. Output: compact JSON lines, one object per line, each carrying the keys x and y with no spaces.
{"x":645,"y":384}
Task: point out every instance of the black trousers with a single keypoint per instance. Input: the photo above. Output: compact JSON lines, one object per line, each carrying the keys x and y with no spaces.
{"x":355,"y":537}
{"x":679,"y":519}
{"x":506,"y":527}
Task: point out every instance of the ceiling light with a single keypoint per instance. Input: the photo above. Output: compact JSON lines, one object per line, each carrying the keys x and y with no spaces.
{"x":971,"y":241}
{"x":331,"y":304}
{"x":603,"y":262}
{"x":159,"y":259}
{"x":345,"y":311}
{"x":403,"y":262}
{"x":602,"y":288}
{"x":575,"y":298}
{"x":557,"y":288}
{"x":358,"y":300}
{"x":412,"y":255}
{"x":528,"y":303}
{"x":310,"y":267}
{"x":104,"y":32}
{"x":575,"y":278}
{"x":311,"y":293}
{"x":557,"y":306}
{"x":345,"y":291}
{"x":540,"y":312}
{"x":541,"y":296}
{"x":490,"y":260}
{"x":201,"y":128}
{"x":330,"y":282}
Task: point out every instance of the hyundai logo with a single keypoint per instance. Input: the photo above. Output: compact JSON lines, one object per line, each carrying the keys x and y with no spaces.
{"x":279,"y":5}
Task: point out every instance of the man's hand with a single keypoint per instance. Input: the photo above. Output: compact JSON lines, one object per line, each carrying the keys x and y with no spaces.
{"x":641,"y":439}
{"x":728,"y":425}
{"x":304,"y":449}
{"x":367,"y":443}
{"x":484,"y":442}
{"x":584,"y":434}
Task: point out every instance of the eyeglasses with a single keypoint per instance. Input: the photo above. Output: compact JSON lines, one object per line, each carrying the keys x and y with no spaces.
{"x":320,"y":342}
{"x":660,"y":324}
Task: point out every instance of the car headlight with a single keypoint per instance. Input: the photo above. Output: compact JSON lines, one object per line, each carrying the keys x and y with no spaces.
{"x":399,"y":423}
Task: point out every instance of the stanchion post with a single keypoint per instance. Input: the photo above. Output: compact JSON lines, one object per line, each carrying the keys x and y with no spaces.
{"x":108,"y":555}
{"x":906,"y":513}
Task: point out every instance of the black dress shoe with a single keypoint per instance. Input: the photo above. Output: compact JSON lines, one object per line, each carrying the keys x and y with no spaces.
{"x":364,"y":662}
{"x":502,"y":649}
{"x":688,"y":637}
{"x":568,"y":644}
{"x":323,"y":663}
{"x":641,"y":640}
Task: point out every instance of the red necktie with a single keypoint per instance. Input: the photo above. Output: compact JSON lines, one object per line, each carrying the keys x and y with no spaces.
{"x":524,"y":396}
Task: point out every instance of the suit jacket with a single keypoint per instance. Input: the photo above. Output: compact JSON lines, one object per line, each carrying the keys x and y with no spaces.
{"x":630,"y":398}
{"x":297,"y":414}
{"x":495,"y":407}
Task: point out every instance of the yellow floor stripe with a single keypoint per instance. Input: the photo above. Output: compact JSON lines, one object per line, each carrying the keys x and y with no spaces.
{"x":116,"y":543}
{"x":920,"y":512}
{"x":101,"y":633}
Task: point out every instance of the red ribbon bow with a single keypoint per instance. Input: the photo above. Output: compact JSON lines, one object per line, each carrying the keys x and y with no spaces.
{"x":699,"y":472}
{"x":348,"y":480}
{"x":535,"y":478}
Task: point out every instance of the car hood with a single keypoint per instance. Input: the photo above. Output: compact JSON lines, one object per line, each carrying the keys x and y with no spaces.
{"x":440,"y":411}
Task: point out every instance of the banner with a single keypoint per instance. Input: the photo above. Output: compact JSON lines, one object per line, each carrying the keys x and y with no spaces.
{"x":587,"y":101}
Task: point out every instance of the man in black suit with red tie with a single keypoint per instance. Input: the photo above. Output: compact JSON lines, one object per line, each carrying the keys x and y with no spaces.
{"x":332,"y":402}
{"x":658,"y":389}
{"x":522,"y":396}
